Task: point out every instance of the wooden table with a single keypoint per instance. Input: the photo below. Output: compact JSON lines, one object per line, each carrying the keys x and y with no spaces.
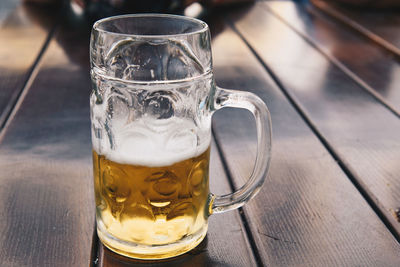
{"x":331,"y":78}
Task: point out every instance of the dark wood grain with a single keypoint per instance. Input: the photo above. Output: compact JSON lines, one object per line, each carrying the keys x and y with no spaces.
{"x":22,"y":37}
{"x":381,"y":26}
{"x":47,"y":207}
{"x":362,"y":133}
{"x":226,"y":242}
{"x":368,"y":64}
{"x":308,"y":213}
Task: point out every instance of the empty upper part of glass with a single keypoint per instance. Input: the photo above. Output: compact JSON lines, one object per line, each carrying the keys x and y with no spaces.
{"x":151,"y":47}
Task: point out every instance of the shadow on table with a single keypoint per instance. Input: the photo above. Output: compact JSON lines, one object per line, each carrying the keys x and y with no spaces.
{"x":196,"y":257}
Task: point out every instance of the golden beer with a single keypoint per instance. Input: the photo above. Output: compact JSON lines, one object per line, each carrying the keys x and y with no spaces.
{"x":152,"y":212}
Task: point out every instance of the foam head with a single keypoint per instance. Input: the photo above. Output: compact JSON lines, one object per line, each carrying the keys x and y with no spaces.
{"x":154,"y":144}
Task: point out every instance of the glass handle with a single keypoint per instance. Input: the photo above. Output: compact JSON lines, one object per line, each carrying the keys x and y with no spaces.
{"x":240,"y":99}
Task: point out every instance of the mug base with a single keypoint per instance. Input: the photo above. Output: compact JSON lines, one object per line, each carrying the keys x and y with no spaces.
{"x":150,"y":252}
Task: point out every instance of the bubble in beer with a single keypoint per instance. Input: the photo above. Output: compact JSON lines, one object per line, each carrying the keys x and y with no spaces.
{"x":134,"y":222}
{"x":164,"y":185}
{"x":197,"y":178}
{"x":102,"y":205}
{"x":186,"y":209}
{"x":137,"y":211}
{"x":113,"y":185}
{"x":184,"y":213}
{"x":116,"y":210}
{"x":159,"y":204}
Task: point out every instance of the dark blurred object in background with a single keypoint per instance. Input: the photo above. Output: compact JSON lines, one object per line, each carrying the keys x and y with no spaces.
{"x":367,"y":3}
{"x":74,"y":18}
{"x":97,"y":9}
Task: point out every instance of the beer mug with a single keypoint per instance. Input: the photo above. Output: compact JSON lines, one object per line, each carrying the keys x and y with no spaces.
{"x":151,"y":106}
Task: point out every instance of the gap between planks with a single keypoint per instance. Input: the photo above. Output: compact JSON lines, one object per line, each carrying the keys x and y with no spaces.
{"x":19,"y":95}
{"x":242,"y":213}
{"x":329,"y":10}
{"x":353,"y":76}
{"x":392,"y":225}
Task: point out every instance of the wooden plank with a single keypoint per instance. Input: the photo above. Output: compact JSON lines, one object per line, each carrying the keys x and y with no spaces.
{"x":226,"y":242}
{"x":308,"y":213}
{"x":368,"y":64}
{"x":47,"y":207}
{"x":379,"y":25}
{"x":389,"y":207}
{"x":22,"y":38}
{"x":361,"y":133}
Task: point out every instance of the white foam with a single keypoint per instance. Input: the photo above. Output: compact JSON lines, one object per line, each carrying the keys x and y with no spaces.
{"x":162,"y":143}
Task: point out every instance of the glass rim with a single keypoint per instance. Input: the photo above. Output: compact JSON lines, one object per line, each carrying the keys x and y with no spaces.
{"x":202,"y":24}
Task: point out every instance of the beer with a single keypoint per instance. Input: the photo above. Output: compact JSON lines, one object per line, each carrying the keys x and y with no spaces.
{"x":152,"y":206}
{"x":151,"y":156}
